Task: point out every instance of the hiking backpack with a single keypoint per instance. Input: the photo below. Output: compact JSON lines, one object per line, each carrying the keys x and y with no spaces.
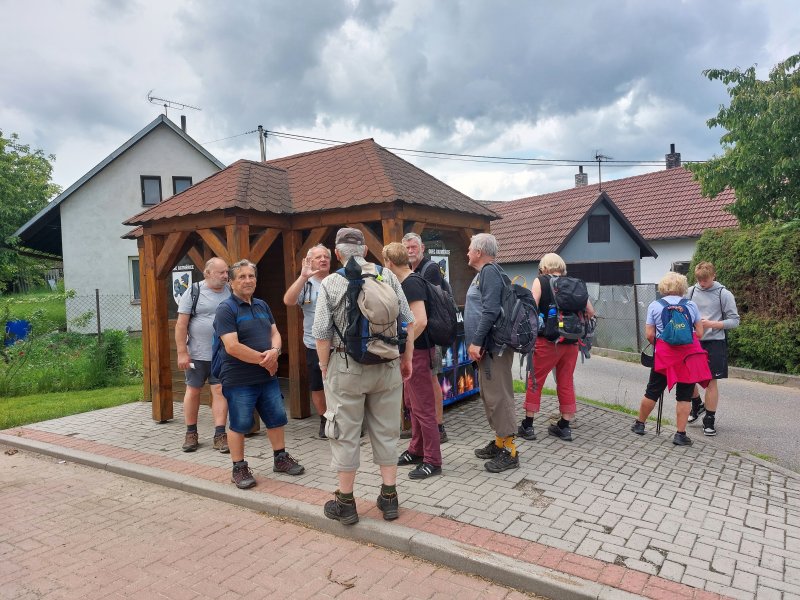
{"x":372,"y":335}
{"x":445,"y":284}
{"x":442,"y":314}
{"x":518,"y":323}
{"x":566,"y":320}
{"x":218,"y":353}
{"x":677,"y":323}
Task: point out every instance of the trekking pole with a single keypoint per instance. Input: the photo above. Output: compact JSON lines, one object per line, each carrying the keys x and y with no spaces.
{"x":658,"y":415}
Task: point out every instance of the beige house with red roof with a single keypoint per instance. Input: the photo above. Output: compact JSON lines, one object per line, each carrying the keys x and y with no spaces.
{"x":271,"y":213}
{"x":665,"y":210}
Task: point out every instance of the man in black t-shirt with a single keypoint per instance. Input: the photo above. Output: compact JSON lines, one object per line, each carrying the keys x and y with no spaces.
{"x":431,"y":272}
{"x":424,"y":449}
{"x":252,"y":345}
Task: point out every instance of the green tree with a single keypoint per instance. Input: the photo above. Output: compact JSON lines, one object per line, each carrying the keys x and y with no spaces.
{"x":761,"y":159}
{"x":25,"y":188}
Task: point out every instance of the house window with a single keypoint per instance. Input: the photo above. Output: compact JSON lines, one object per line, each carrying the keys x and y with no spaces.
{"x":599,"y":229}
{"x":681,"y":267}
{"x":151,"y":190}
{"x":133,"y":268}
{"x":180,"y":183}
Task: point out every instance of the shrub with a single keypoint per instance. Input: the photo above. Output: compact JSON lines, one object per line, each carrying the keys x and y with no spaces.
{"x":761,"y":267}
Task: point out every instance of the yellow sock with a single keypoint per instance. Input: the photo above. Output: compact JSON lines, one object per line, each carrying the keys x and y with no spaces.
{"x":508,"y":444}
{"x":499,"y":442}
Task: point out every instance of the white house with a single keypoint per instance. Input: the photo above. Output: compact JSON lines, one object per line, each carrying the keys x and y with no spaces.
{"x":83,"y":224}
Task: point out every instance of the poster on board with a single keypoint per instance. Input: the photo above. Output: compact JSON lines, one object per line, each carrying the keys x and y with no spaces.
{"x":442,"y":258}
{"x":181,"y":281}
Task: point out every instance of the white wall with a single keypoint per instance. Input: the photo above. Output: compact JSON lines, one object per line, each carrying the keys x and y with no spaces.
{"x":668,"y":251}
{"x":95,"y":256}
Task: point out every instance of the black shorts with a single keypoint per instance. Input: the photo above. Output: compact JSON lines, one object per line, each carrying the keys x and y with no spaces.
{"x":658,"y":383}
{"x":717,"y":357}
{"x":314,"y":372}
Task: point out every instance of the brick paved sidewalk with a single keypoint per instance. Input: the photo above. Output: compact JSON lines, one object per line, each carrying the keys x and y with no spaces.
{"x":610,"y":511}
{"x":74,"y":532}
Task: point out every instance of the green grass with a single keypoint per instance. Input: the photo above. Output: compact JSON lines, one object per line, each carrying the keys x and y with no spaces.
{"x":519,"y":388}
{"x":47,"y":310}
{"x":765,"y":457}
{"x":22,"y":410}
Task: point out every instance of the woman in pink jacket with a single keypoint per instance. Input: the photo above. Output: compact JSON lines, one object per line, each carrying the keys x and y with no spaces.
{"x":682,"y":365}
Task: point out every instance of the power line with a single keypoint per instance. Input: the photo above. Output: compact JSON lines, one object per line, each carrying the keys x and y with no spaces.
{"x":459,"y":157}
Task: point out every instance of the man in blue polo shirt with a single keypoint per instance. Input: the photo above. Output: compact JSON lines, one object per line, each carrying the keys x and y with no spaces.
{"x":252,"y":345}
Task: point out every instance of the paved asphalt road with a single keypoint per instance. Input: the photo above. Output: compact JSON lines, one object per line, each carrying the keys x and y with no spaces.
{"x":70,"y":531}
{"x":753,"y":417}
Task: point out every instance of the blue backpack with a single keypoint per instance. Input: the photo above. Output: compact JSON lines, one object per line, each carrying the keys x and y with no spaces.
{"x":218,"y":353}
{"x":677,"y":322}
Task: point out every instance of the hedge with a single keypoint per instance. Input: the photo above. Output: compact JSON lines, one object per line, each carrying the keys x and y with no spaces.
{"x":761,"y":267}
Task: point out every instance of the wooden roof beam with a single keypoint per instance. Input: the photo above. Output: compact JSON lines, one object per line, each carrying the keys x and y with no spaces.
{"x":173,"y":248}
{"x":262,"y":243}
{"x":315,"y":237}
{"x":215,"y":244}
{"x":373,"y":244}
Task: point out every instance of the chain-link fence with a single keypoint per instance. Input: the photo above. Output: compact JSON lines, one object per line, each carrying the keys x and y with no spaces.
{"x":621,"y":313}
{"x":115,"y":312}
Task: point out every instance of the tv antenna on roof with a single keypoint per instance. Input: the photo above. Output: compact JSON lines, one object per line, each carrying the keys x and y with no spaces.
{"x":600,"y":158}
{"x":168,"y":103}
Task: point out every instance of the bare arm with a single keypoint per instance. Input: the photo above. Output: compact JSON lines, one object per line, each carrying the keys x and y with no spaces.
{"x":181,"y":331}
{"x":650,"y":333}
{"x":589,"y":309}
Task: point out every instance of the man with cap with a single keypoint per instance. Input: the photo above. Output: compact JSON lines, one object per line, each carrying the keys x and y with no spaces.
{"x":358,"y":393}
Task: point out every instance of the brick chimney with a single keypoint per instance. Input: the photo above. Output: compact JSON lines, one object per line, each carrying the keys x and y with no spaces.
{"x":673,"y":158}
{"x":581,"y":178}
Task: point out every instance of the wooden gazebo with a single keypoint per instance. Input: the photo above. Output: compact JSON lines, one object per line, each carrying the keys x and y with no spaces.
{"x":271,"y":213}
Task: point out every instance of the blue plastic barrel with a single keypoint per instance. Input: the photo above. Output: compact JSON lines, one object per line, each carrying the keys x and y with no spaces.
{"x":17,"y":330}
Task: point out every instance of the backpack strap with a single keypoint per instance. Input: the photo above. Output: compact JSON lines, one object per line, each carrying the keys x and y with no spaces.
{"x":553,"y":298}
{"x":195,"y":292}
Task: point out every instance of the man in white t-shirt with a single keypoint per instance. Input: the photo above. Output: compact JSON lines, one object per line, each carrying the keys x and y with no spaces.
{"x":303,"y":292}
{"x":194,"y":332}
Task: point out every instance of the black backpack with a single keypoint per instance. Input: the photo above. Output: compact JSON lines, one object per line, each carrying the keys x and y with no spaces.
{"x":442,"y":314}
{"x":445,"y":284}
{"x":566,"y":320}
{"x":518,"y":323}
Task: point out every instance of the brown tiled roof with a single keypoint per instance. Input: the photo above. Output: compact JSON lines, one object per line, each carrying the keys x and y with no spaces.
{"x":364,"y":172}
{"x":245,"y":184}
{"x":332,"y":178}
{"x":661,"y":205}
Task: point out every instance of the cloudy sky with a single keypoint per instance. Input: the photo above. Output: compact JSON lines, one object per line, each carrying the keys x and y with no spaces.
{"x":526,"y":79}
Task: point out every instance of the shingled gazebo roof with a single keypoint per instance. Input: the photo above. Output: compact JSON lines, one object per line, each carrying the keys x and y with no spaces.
{"x":351,"y":175}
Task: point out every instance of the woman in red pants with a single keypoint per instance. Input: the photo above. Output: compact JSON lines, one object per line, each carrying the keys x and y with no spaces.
{"x":551,"y":354}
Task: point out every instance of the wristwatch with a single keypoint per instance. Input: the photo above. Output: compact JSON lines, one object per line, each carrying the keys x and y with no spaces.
{"x":278,"y":349}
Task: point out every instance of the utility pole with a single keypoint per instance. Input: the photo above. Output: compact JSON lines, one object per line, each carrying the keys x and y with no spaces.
{"x":262,"y":144}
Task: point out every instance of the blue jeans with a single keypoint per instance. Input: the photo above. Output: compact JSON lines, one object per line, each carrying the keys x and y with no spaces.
{"x":265,"y":398}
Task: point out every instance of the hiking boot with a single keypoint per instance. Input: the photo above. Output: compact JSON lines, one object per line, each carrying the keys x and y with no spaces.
{"x":708,"y":426}
{"x":322,"y":423}
{"x":681,"y":439}
{"x":488,"y":451}
{"x":344,"y":512}
{"x":502,"y":462}
{"x":526,"y":433}
{"x":221,"y":443}
{"x":696,"y":411}
{"x":406,"y":458}
{"x":389,"y":506}
{"x":190,"y":442}
{"x":565,"y":434}
{"x":637,"y":428}
{"x":242,"y":476}
{"x":405,"y":434}
{"x":425,"y":470}
{"x":284,"y":463}
{"x":442,"y":435}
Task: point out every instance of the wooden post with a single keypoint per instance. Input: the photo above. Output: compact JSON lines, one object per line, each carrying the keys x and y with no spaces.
{"x":155,"y":290}
{"x":392,"y":230}
{"x":145,"y":309}
{"x":299,"y":405}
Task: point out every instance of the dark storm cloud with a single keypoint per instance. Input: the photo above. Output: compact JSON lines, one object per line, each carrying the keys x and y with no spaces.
{"x":430,"y":64}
